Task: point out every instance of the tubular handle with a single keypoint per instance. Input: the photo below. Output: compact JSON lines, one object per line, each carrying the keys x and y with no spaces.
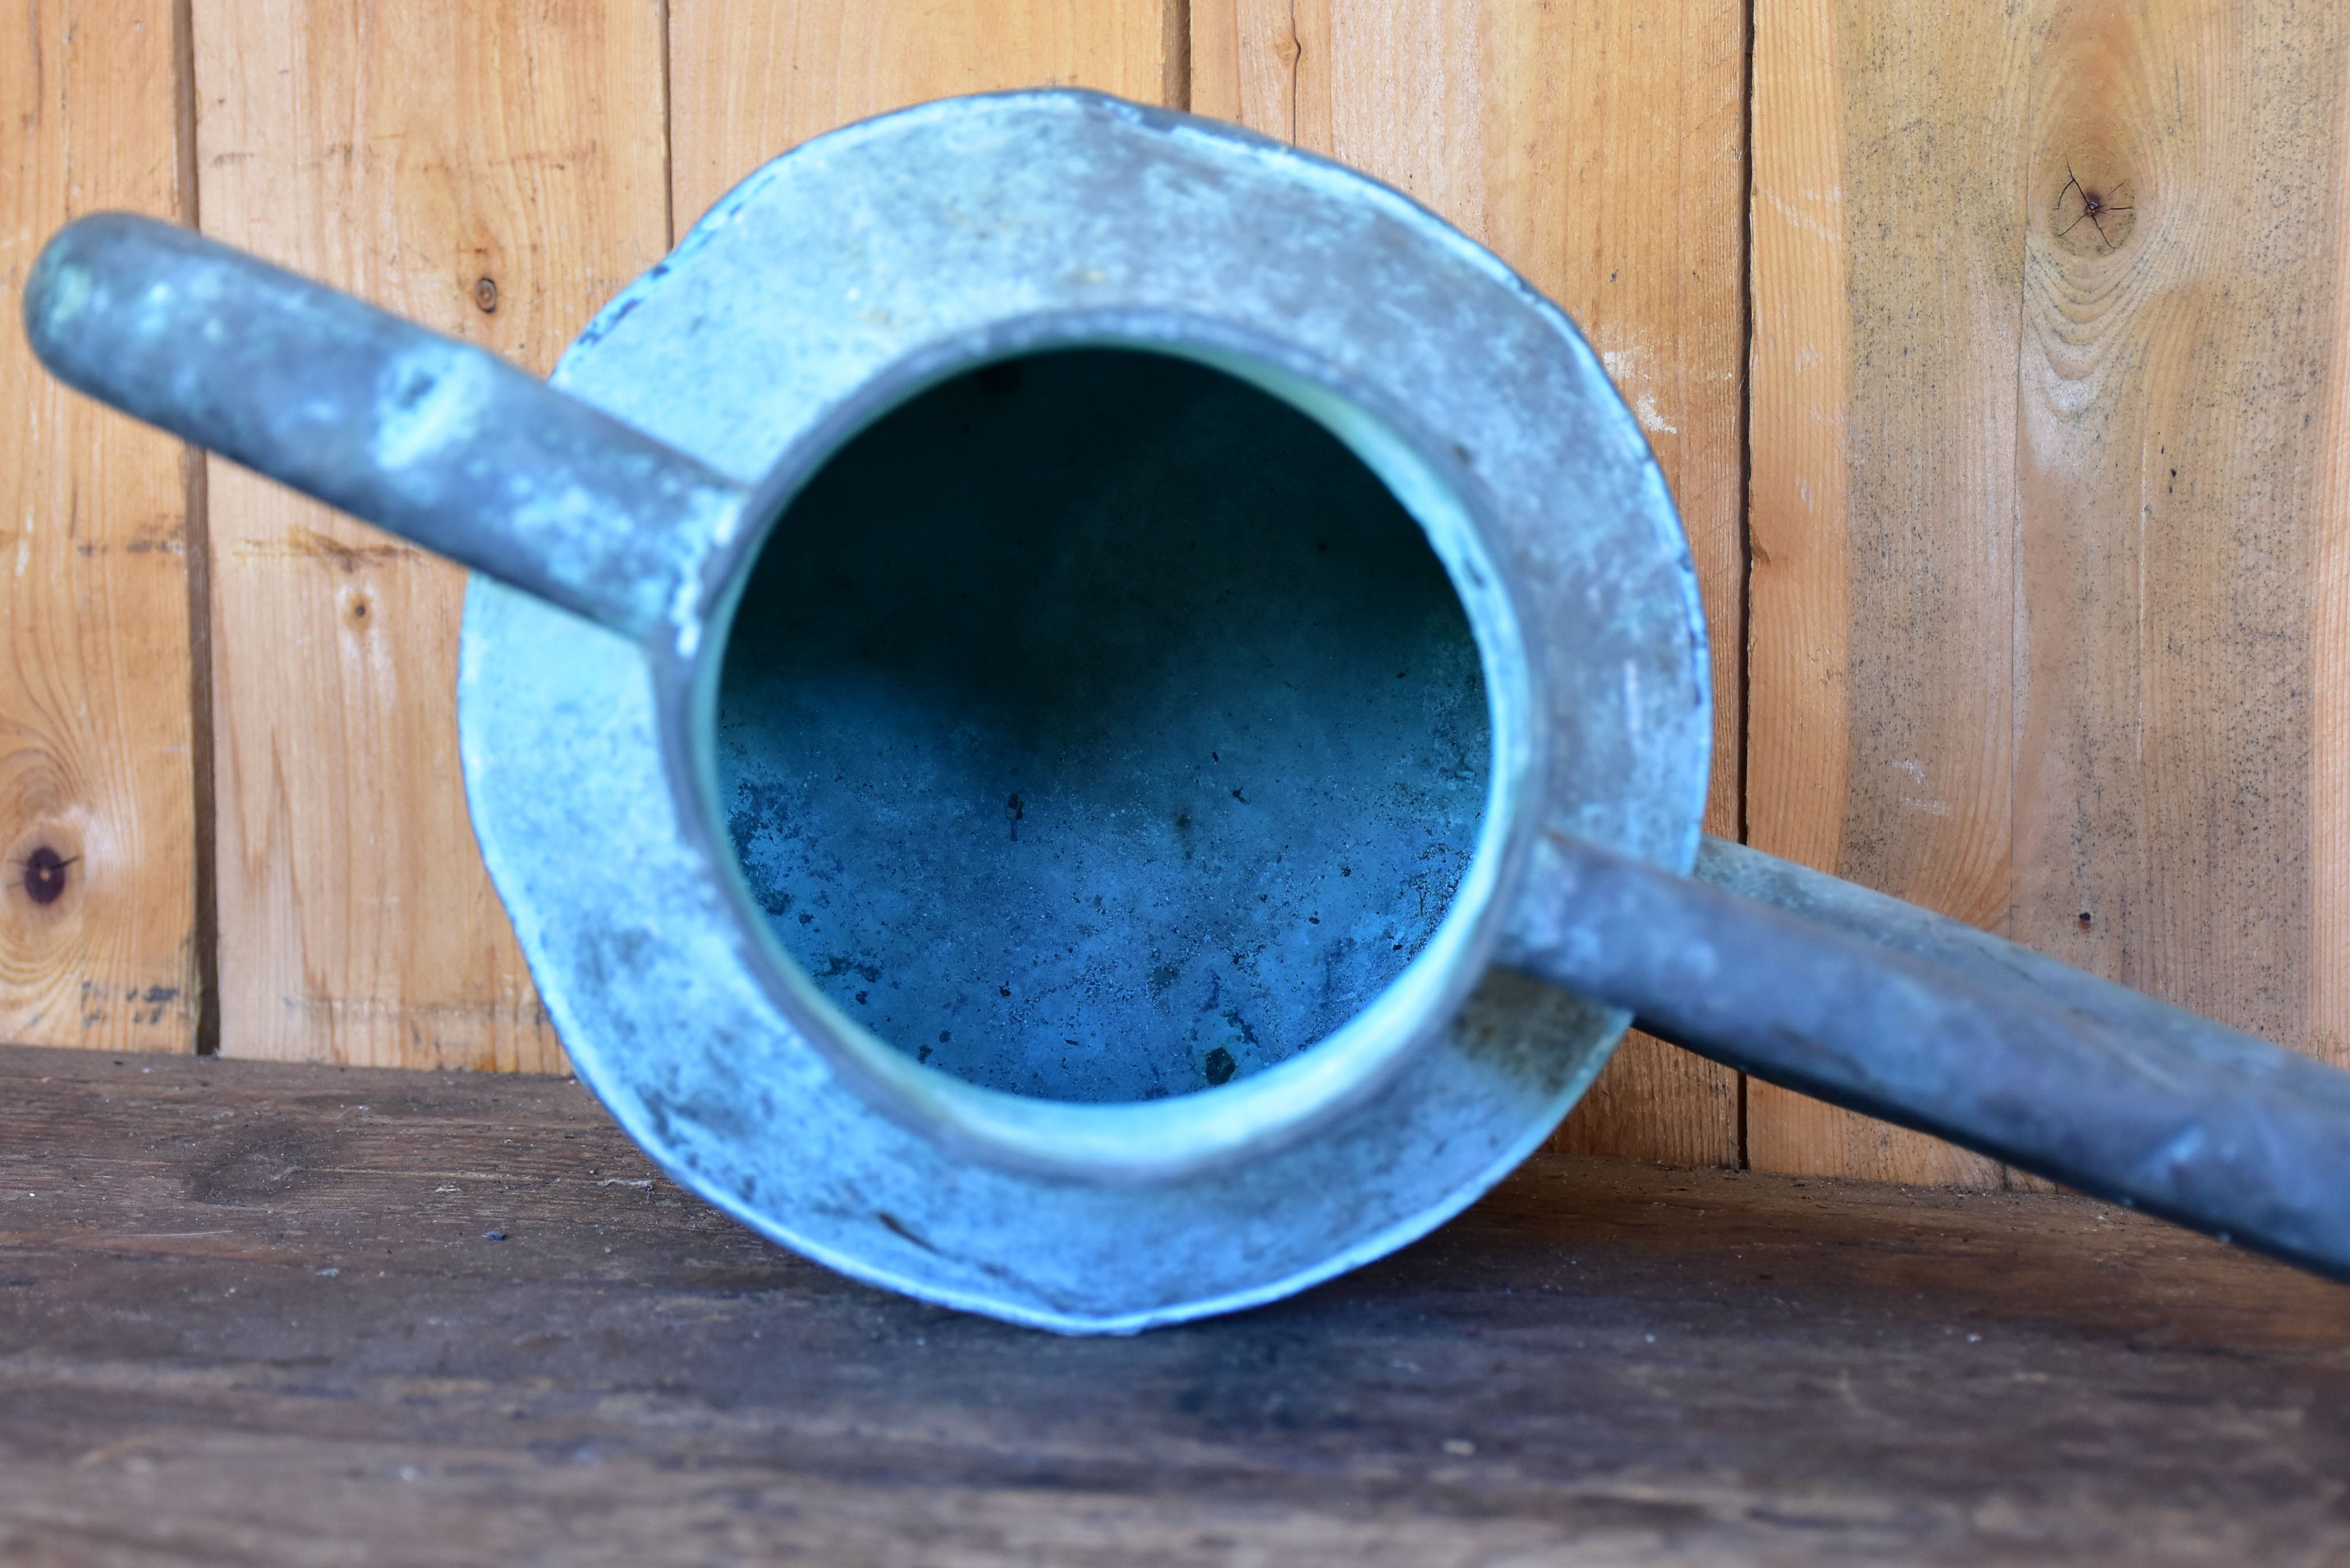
{"x":437,"y":441}
{"x":1865,"y":1002}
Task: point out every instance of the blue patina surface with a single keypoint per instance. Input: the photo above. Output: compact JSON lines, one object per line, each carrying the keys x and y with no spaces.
{"x":1097,"y":727}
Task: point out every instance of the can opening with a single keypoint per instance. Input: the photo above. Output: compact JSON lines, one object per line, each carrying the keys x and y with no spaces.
{"x":1097,"y":727}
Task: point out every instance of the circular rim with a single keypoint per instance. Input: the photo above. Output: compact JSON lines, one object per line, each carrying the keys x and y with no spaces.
{"x":1149,"y":1140}
{"x":782,"y":307}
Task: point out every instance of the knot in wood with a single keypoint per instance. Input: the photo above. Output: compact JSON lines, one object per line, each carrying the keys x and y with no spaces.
{"x":45,"y":875}
{"x":2103,"y":208}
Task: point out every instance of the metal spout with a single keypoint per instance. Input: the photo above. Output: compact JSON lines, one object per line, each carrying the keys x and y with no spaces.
{"x":439,"y":441}
{"x":1861,"y":1000}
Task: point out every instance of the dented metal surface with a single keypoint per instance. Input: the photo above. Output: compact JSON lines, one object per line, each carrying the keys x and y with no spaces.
{"x":740,"y":875}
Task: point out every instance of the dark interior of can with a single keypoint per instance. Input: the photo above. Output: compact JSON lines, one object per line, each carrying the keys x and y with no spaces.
{"x":1096,"y":727}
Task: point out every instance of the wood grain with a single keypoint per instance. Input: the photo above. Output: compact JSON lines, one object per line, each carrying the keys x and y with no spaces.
{"x":2075,"y":512}
{"x":2172,"y":456}
{"x":97,"y":777}
{"x":1884,"y":488}
{"x":1598,"y":148}
{"x":440,"y":160}
{"x":264,"y":1314}
{"x":754,"y":79}
{"x":1800,"y":365}
{"x":2329,"y":859}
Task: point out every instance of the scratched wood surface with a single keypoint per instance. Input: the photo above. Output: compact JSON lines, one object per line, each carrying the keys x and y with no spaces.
{"x":2048,"y":346}
{"x":264,"y":1314}
{"x":495,"y":171}
{"x":98,"y":820}
{"x":1598,"y":148}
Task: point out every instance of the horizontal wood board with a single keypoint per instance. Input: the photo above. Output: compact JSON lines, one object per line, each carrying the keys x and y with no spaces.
{"x":263,"y":1313}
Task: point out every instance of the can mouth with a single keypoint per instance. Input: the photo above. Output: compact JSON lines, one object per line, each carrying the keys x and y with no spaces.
{"x":1116,"y":741}
{"x":844,"y":280}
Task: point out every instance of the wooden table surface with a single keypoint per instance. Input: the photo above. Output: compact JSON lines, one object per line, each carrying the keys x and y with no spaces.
{"x":253,"y":1314}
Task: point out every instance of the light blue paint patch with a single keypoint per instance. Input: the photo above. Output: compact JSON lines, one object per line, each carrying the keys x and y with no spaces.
{"x":429,"y":400}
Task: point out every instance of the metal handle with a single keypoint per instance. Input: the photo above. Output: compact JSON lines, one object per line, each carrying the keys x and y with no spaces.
{"x":439,"y":441}
{"x":1861,"y":1000}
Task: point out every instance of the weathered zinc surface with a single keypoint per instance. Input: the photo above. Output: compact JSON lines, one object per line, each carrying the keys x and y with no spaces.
{"x":857,"y":272}
{"x":441,"y":441}
{"x":1871,"y":1003}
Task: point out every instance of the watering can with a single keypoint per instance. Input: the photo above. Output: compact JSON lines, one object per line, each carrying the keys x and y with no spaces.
{"x":1096,"y":719}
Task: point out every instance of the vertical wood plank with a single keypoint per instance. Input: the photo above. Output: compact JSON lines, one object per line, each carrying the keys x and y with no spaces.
{"x":1800,"y":365}
{"x":96,"y":806}
{"x":1883,"y":486}
{"x":753,"y":78}
{"x":2083,"y":492}
{"x":2329,"y":860}
{"x":2175,"y":358}
{"x":1598,"y":148}
{"x":496,"y":171}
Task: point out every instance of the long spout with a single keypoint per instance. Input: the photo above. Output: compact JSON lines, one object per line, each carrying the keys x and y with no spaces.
{"x":435,"y":439}
{"x":1861,"y":1000}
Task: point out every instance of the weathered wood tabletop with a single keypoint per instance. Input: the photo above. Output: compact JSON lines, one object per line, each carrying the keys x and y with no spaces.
{"x":259,"y":1314}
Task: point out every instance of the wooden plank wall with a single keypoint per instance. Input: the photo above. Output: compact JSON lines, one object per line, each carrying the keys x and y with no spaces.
{"x":751,"y":78}
{"x":98,"y":768}
{"x":1598,"y":148}
{"x":1976,"y":642}
{"x":496,"y":171}
{"x":2048,"y":515}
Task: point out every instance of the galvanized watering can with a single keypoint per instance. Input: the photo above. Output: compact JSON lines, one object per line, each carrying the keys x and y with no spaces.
{"x":1045,"y":691}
